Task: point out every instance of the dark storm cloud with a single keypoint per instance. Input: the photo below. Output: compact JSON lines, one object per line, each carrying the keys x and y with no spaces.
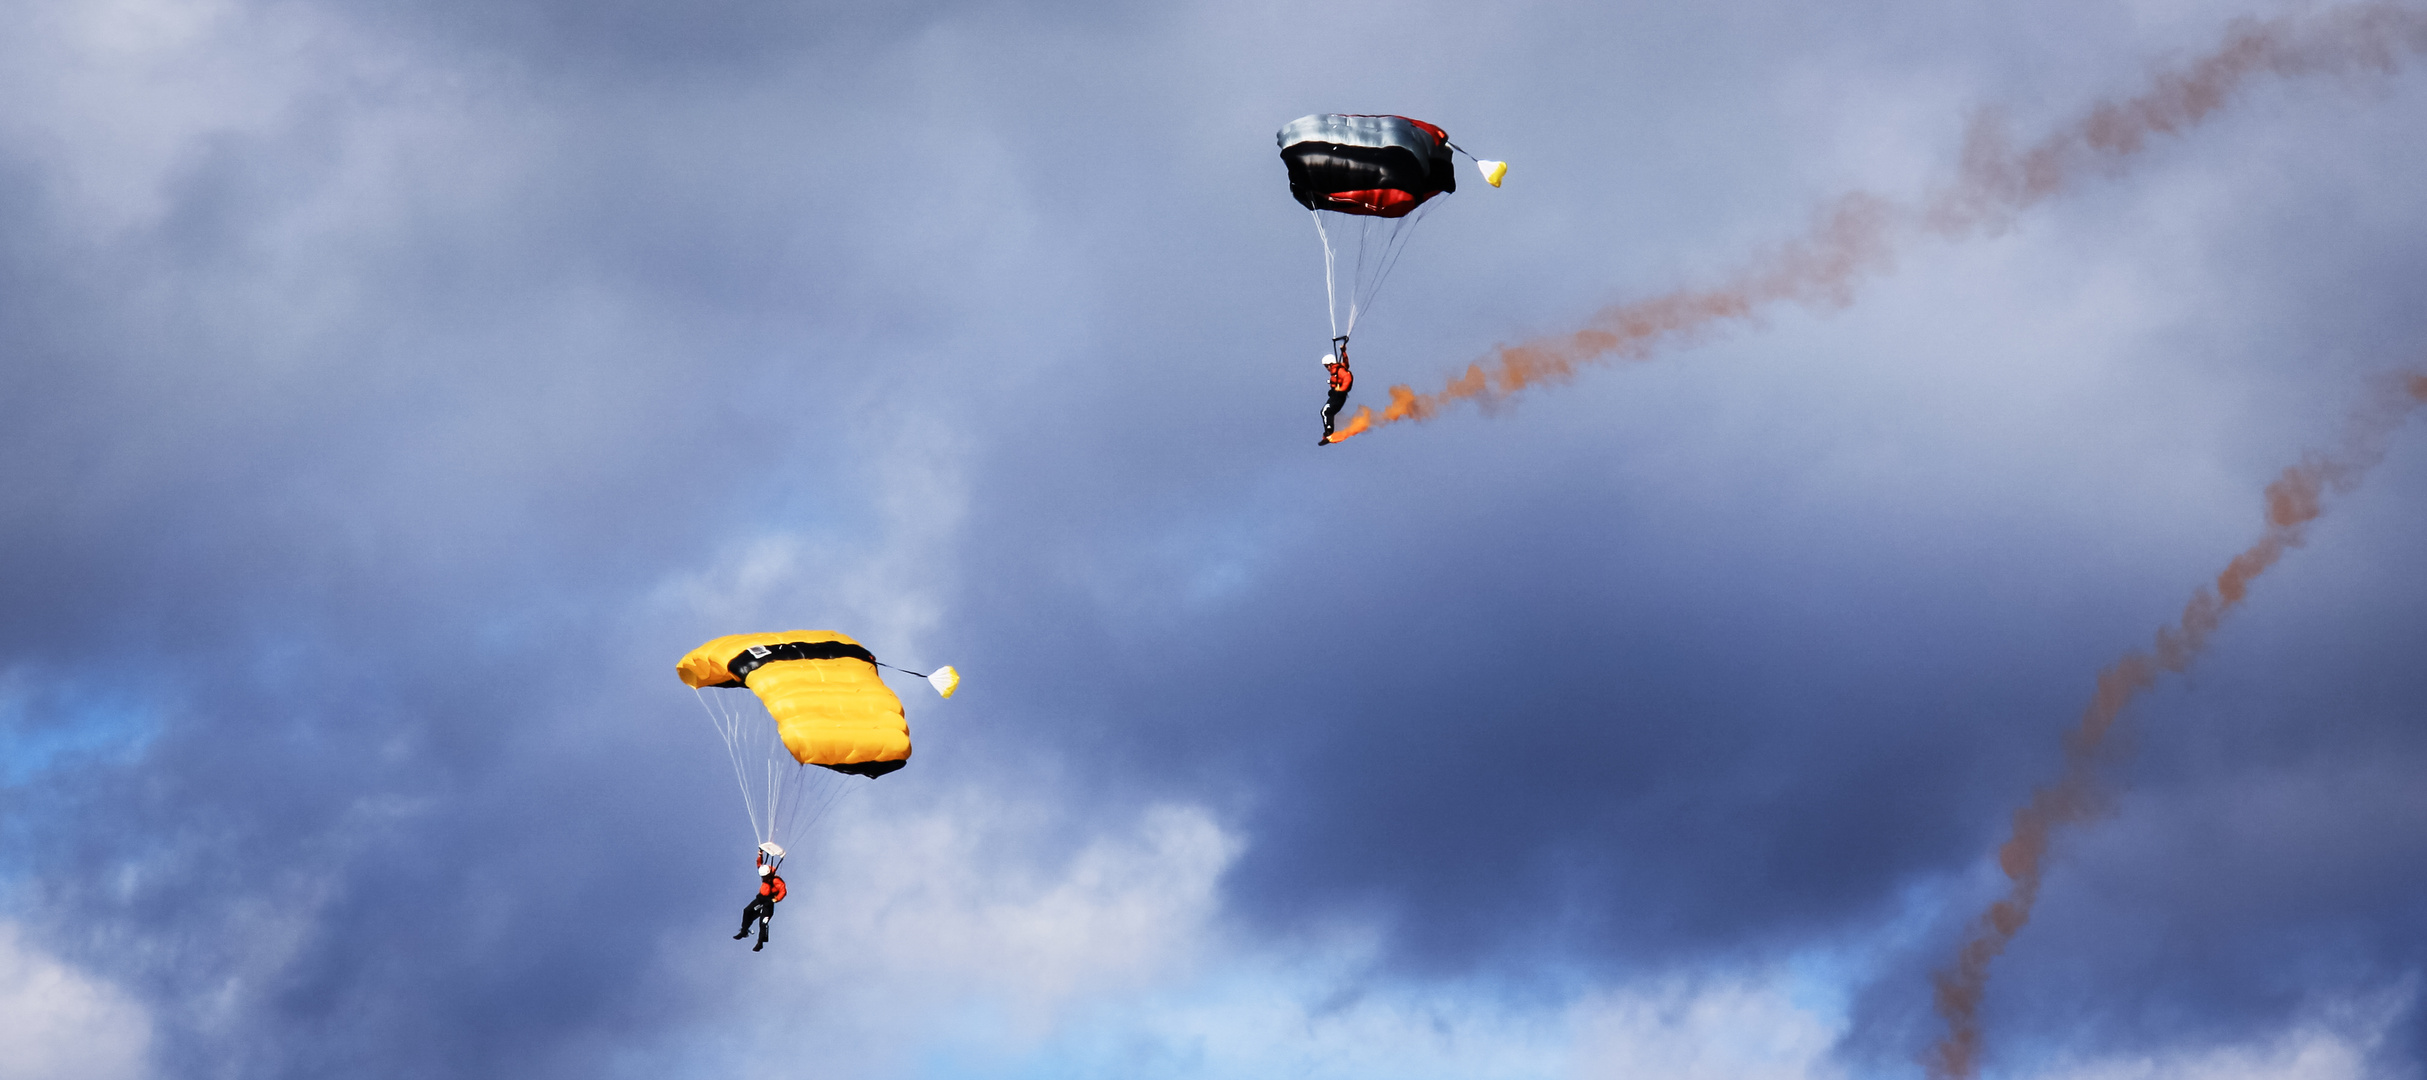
{"x":357,"y":464}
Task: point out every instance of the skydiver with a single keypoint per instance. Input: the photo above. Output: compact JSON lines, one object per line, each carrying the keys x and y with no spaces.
{"x":761,"y":909}
{"x":1335,"y":364}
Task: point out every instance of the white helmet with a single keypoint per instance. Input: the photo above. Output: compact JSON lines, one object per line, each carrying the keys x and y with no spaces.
{"x":1330,"y":358}
{"x":765,"y":870}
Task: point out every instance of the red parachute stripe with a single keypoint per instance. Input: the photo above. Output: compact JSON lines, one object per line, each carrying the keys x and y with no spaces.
{"x":1381,"y":202}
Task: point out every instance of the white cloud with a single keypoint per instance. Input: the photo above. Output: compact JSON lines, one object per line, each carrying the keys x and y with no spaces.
{"x":2333,"y":1043}
{"x":935,"y":900}
{"x":1740,"y":1030}
{"x":57,"y":1023}
{"x":974,"y":921}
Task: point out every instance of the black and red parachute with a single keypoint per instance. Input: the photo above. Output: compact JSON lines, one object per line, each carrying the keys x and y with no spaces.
{"x":1382,"y":166}
{"x":1379,"y":172}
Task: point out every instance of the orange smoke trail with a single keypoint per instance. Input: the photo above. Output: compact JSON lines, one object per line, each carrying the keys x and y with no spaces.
{"x":2293,"y":501}
{"x":1357,"y":424}
{"x":1858,"y":234}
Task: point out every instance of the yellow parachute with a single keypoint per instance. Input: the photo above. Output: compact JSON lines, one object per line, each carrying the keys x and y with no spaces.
{"x":822,"y":702}
{"x":830,"y":705}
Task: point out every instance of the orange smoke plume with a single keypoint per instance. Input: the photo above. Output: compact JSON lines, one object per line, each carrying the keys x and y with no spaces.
{"x":2293,"y":501}
{"x":1858,"y":234}
{"x":1363,"y":419}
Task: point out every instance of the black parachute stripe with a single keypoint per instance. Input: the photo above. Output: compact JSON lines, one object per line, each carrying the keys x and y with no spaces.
{"x":760,"y":656}
{"x":869,"y":769}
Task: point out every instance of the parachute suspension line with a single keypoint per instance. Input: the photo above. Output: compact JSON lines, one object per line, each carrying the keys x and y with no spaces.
{"x":836,"y":791}
{"x":1331,"y":297}
{"x":728,"y":726}
{"x":794,"y":799}
{"x":1394,"y":241}
{"x":776,"y":752}
{"x":1356,"y":283}
{"x":785,"y":806}
{"x":1379,"y":243}
{"x":1398,"y":245}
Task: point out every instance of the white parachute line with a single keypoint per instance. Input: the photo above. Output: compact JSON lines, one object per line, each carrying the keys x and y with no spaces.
{"x":792,"y":789}
{"x":1331,"y":298}
{"x":835,"y":794}
{"x":775,"y":783}
{"x":799,"y":791}
{"x":817,"y":803}
{"x":1392,"y":246}
{"x":760,"y":803}
{"x":1375,"y":257}
{"x":778,"y":823}
{"x":1365,"y":238}
{"x":775,"y":799}
{"x":730,"y":731}
{"x":746,"y":727}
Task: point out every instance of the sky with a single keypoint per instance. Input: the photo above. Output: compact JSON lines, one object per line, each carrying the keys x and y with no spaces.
{"x":395,"y":392}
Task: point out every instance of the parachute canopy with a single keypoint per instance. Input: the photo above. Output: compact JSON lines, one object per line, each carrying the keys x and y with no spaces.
{"x":830,"y":706}
{"x":1377,"y":166}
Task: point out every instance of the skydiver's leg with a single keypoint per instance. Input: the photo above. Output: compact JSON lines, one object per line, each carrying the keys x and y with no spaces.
{"x":756,"y":912}
{"x":764,"y":921}
{"x":1331,"y":408}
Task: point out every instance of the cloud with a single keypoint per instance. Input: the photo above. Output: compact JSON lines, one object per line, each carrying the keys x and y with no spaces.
{"x":59,"y":1023}
{"x":978,"y":924}
{"x":2339,"y":1042}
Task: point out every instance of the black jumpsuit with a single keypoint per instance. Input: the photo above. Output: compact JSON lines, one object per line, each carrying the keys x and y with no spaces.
{"x":762,"y":910}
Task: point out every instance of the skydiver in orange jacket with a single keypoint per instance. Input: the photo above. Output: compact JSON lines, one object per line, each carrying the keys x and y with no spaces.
{"x":1335,"y":364}
{"x":762,"y":907}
